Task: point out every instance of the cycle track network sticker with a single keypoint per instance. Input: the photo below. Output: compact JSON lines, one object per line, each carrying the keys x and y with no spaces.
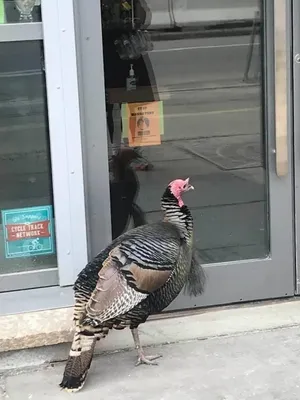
{"x":28,"y":231}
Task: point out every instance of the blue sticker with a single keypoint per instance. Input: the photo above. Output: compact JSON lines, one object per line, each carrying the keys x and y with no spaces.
{"x":28,"y":231}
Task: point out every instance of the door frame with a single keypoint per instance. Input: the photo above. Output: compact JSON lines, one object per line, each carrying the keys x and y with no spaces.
{"x":228,"y":282}
{"x":295,"y":61}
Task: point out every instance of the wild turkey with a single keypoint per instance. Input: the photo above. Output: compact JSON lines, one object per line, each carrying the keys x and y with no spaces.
{"x":138,"y":274}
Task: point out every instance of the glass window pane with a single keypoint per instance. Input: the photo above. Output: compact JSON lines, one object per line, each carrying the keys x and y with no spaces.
{"x":13,"y":11}
{"x":26,"y":237}
{"x":202,"y":61}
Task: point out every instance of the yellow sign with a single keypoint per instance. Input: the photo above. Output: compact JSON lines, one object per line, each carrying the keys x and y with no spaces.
{"x":143,"y":123}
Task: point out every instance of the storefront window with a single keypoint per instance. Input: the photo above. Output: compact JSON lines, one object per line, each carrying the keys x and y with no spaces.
{"x":13,"y":11}
{"x":184,"y":95}
{"x":27,"y":227}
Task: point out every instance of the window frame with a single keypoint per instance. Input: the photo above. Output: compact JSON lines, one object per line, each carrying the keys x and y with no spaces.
{"x":57,"y":31}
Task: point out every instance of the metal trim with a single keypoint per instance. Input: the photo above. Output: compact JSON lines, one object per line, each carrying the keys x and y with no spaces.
{"x":93,"y":117}
{"x":21,"y":32}
{"x":280,"y":208}
{"x":280,"y":48}
{"x":28,"y":279}
{"x":46,"y":298}
{"x":295,"y":65}
{"x":65,"y":137}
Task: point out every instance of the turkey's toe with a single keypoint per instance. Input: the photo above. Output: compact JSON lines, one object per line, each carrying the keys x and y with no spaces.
{"x":149,"y":360}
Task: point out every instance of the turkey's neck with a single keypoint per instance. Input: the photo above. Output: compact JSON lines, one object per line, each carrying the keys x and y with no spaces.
{"x":176,"y":214}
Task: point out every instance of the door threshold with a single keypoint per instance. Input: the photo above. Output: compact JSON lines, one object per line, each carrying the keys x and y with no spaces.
{"x":200,"y":310}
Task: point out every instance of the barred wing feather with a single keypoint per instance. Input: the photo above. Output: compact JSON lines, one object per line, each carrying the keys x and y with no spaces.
{"x":142,"y":263}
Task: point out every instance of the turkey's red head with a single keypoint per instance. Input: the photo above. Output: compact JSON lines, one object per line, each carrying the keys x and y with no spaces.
{"x":178,"y":187}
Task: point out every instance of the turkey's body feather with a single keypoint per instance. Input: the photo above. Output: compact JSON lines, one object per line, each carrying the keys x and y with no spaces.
{"x":167,"y":255}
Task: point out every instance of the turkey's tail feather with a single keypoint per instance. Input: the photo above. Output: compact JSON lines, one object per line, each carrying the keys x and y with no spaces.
{"x":196,"y":281}
{"x":79,"y":362}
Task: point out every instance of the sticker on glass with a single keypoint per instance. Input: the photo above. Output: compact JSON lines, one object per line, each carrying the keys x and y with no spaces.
{"x":143,"y":123}
{"x":28,"y":231}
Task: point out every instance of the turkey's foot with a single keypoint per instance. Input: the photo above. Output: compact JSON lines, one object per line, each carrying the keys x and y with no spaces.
{"x":142,"y":359}
{"x":148,"y":360}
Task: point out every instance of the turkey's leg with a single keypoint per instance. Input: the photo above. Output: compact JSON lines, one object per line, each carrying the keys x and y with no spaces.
{"x":142,"y":359}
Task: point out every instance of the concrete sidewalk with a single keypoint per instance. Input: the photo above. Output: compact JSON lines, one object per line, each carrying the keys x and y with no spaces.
{"x":262,"y":366}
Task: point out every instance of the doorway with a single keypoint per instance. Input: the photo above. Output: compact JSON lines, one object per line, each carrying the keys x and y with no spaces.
{"x":207,"y":73}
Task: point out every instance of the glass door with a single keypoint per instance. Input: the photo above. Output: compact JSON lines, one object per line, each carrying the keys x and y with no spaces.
{"x":195,"y":89}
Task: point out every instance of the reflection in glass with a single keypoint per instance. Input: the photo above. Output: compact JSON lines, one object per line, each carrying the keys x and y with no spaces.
{"x":25,"y":171}
{"x":206,"y":68}
{"x":25,"y":8}
{"x":22,"y":11}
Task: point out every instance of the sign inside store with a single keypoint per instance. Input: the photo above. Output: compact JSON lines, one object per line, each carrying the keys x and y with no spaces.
{"x":143,"y":123}
{"x":28,"y":231}
{"x":2,"y":12}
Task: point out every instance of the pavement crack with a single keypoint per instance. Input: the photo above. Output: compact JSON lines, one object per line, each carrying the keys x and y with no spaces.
{"x":3,"y":391}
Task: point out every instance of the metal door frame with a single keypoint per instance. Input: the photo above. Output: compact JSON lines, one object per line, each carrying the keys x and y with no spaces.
{"x":295,"y":61}
{"x":228,"y":282}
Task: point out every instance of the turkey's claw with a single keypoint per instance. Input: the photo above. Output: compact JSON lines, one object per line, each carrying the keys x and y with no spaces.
{"x":149,"y":360}
{"x":142,"y":359}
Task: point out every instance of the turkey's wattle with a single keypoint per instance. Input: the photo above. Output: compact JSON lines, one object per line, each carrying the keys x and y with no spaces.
{"x":138,"y":274}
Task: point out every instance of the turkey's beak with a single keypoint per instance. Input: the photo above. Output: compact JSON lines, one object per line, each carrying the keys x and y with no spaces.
{"x":188,"y":186}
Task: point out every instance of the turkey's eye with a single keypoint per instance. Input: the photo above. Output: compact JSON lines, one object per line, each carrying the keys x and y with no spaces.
{"x":184,"y":186}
